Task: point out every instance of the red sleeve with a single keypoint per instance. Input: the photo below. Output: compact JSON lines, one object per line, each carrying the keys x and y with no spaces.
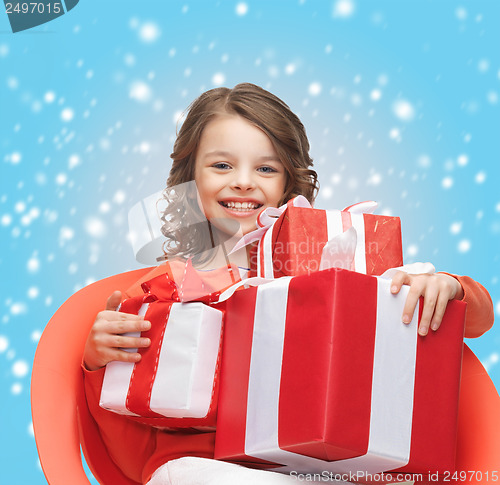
{"x":129,"y":444}
{"x":479,"y":314}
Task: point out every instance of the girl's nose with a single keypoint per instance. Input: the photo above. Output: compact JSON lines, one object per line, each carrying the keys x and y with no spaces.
{"x":243,"y":180}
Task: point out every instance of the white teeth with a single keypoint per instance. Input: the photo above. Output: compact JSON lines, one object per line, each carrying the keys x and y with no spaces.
{"x":244,"y":206}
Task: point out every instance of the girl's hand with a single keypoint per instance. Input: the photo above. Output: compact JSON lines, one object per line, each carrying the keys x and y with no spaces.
{"x":437,"y":289}
{"x":106,"y":338}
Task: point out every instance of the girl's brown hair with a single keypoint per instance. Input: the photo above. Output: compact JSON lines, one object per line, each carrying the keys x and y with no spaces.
{"x":264,"y":110}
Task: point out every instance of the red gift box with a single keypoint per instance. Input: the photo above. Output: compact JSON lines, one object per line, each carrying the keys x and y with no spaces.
{"x":175,"y":384}
{"x":320,"y":374}
{"x":294,"y":243}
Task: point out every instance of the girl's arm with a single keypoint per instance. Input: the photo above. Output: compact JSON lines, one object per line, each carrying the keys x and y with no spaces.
{"x":129,"y":444}
{"x":437,"y":289}
{"x":479,"y":314}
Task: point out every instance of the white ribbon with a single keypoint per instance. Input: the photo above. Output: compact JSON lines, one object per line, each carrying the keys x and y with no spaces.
{"x":392,"y":385}
{"x":340,"y":250}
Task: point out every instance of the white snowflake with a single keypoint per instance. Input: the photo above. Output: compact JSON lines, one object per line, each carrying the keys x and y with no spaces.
{"x":461,"y":13}
{"x":343,"y":8}
{"x":73,"y":161}
{"x":61,"y":178}
{"x":119,"y":197}
{"x":314,"y":88}
{"x":492,"y":97}
{"x":456,"y":227}
{"x":395,"y":134}
{"x":326,"y":192}
{"x":403,"y":110}
{"x":4,"y":343}
{"x":18,"y":308}
{"x":374,"y":179}
{"x":20,"y":368}
{"x":95,"y":227}
{"x":424,"y":161}
{"x":140,"y":91}
{"x":241,"y":9}
{"x":33,"y":264}
{"x":16,"y":388}
{"x":412,"y":250}
{"x":447,"y":182}
{"x":480,"y":177}
{"x":67,"y":114}
{"x":218,"y":79}
{"x":483,"y":65}
{"x":464,"y":245}
{"x":149,"y":32}
{"x":15,"y":158}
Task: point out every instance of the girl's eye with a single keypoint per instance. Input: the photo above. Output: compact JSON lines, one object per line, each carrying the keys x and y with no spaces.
{"x":267,"y":169}
{"x":221,"y":165}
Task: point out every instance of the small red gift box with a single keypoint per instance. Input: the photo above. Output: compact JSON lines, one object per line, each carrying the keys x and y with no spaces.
{"x":294,"y":243}
{"x":320,"y":374}
{"x":175,"y":384}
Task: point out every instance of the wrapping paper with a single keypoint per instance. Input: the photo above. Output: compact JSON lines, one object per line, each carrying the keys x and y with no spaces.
{"x":319,"y":373}
{"x":292,"y":240}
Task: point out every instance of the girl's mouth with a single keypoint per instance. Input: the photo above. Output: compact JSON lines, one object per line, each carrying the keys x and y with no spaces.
{"x":240,"y":206}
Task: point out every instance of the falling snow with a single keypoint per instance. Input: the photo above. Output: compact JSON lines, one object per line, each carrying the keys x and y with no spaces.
{"x":387,"y":120}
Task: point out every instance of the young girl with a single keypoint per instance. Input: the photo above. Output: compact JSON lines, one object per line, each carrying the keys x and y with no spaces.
{"x":245,"y":150}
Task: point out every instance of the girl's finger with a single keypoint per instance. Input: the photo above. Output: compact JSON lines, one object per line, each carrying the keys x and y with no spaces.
{"x":110,"y":315}
{"x":126,"y":342}
{"x":125,"y":316}
{"x":414,"y":294}
{"x":430,"y":299}
{"x":398,"y":280}
{"x":124,"y":356}
{"x":441,"y":304}
{"x":114,"y":300}
{"x":126,"y":326}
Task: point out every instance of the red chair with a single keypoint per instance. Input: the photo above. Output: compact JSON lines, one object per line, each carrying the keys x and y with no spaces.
{"x":62,"y":421}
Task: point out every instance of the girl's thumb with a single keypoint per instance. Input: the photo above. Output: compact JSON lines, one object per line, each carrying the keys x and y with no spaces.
{"x":114,"y":301}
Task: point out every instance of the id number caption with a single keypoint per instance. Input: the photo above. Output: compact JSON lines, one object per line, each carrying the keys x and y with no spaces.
{"x":467,"y":476}
{"x":33,"y":7}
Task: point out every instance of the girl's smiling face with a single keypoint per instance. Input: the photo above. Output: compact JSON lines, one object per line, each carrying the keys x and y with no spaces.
{"x":237,"y":171}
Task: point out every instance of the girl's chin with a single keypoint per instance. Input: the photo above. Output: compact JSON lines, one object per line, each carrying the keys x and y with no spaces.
{"x":233,"y":227}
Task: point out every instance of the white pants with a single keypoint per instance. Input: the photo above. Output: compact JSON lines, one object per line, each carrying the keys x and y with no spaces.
{"x":190,"y":470}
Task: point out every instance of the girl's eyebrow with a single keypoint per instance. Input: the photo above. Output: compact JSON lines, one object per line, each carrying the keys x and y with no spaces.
{"x":217,"y":153}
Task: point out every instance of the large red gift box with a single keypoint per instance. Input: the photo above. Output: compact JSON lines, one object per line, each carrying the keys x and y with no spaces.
{"x":294,"y":243}
{"x":175,"y":384}
{"x":320,"y":374}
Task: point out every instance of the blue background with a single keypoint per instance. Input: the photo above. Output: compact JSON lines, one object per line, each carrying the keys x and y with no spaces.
{"x":400,"y":102}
